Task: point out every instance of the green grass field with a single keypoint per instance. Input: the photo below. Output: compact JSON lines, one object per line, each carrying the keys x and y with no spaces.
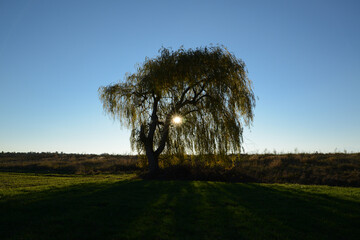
{"x":57,"y":206}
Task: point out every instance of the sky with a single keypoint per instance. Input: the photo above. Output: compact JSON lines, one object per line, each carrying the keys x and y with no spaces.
{"x":302,"y":56}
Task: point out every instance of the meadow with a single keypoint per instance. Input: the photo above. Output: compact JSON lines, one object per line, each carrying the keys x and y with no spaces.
{"x":268,"y":196}
{"x":122,"y":206}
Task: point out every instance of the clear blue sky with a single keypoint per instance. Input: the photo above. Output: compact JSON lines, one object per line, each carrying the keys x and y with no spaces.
{"x":303,"y":57}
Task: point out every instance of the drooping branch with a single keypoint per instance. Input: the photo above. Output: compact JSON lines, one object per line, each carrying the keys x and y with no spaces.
{"x":143,"y":137}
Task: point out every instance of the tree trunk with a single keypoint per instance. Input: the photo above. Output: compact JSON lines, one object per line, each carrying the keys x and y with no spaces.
{"x":153,"y":161}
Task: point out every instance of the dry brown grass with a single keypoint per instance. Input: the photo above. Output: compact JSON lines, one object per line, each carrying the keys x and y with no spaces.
{"x":67,"y":163}
{"x":325,"y":169}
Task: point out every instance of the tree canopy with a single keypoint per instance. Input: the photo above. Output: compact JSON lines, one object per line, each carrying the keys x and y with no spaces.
{"x":208,"y":91}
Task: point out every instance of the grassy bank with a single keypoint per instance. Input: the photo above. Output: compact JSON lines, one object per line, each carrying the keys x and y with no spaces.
{"x":58,"y":206}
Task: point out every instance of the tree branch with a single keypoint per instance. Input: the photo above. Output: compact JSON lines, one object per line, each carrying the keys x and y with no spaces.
{"x":164,"y":135}
{"x":154,"y":118}
{"x":188,"y":112}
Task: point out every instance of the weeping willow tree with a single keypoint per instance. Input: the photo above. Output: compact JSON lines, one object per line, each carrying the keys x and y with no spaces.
{"x":184,"y":101}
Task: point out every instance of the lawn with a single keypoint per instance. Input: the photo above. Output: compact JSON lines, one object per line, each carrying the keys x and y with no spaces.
{"x":104,"y":206}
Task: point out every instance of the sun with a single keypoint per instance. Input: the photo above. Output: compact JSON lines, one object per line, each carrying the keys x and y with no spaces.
{"x":177,"y":120}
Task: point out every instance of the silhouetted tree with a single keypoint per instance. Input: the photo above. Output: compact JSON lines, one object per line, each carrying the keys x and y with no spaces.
{"x":194,"y":100}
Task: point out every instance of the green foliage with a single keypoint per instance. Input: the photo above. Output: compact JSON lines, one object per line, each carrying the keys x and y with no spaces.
{"x":40,"y":206}
{"x":208,"y":87}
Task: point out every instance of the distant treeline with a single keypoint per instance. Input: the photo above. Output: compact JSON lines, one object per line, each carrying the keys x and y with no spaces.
{"x":340,"y":169}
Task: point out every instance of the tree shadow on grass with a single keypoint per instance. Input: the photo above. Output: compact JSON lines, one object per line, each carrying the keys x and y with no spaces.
{"x":279,"y":212}
{"x":138,"y":209}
